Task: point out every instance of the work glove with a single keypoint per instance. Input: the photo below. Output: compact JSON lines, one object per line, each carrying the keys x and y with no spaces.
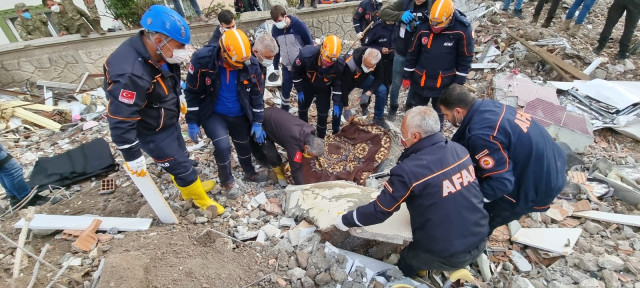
{"x":411,"y":26}
{"x":407,"y":16}
{"x":194,"y":132}
{"x":359,"y":35}
{"x":257,"y":133}
{"x":137,"y":167}
{"x":364,"y":99}
{"x":336,"y":110}
{"x":406,"y":83}
{"x":300,"y":97}
{"x":340,"y":225}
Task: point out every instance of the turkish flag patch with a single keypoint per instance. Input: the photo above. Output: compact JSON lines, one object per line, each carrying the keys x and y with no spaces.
{"x":127,"y":96}
{"x":191,"y":68}
{"x":360,"y":9}
{"x":298,"y":62}
{"x":424,"y":40}
{"x":298,"y":157}
{"x":207,"y":80}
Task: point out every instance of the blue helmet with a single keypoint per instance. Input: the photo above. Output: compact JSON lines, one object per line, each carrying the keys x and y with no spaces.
{"x":162,"y":19}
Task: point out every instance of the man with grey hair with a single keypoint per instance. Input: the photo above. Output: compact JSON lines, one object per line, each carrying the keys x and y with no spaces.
{"x":435,"y":178}
{"x":265,"y":49}
{"x":295,"y":136}
{"x":360,"y":72}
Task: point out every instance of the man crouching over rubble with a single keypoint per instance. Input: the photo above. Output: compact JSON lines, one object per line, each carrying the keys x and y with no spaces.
{"x":519,"y":166}
{"x":142,"y":80}
{"x":436,"y":179}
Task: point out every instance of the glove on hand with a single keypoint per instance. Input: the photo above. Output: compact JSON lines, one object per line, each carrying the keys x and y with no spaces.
{"x":300,"y":97}
{"x":340,"y":225}
{"x":364,"y":99}
{"x":336,"y":110}
{"x":137,"y":167}
{"x":406,"y":83}
{"x":257,"y":133}
{"x":194,"y":132}
{"x":407,"y":16}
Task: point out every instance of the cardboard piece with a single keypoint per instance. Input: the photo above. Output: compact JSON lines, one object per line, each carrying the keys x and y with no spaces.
{"x":556,"y":240}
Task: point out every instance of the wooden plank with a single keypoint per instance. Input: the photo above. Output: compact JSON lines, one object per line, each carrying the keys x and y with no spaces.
{"x":65,"y":222}
{"x":32,"y":106}
{"x":556,"y":240}
{"x":36,"y":119}
{"x":553,"y":60}
{"x":484,"y":65}
{"x":154,"y":197}
{"x":631,"y":220}
{"x":53,"y":84}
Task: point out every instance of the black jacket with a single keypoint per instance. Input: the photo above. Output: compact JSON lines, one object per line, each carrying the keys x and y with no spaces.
{"x":436,"y":179}
{"x":307,"y":70}
{"x":143,"y":97}
{"x":203,"y":84}
{"x":290,"y":133}
{"x":353,"y":76}
{"x":437,"y":60}
{"x":365,"y":13}
{"x":393,"y":12}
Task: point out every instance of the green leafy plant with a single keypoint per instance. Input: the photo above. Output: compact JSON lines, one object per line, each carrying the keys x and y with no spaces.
{"x":129,"y":11}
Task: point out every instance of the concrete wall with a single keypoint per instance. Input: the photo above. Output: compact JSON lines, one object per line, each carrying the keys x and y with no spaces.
{"x":66,"y":59}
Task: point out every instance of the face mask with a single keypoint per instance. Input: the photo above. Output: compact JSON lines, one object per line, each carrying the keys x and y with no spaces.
{"x":365,"y":69}
{"x":179,"y":55}
{"x":457,"y":124}
{"x":265,"y":62}
{"x":55,"y":9}
{"x":26,"y":15}
{"x":281,"y":24}
{"x":326,"y":63}
{"x":222,"y":29}
{"x":438,"y":29}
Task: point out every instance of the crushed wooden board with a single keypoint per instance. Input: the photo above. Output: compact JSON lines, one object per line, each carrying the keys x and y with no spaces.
{"x":569,"y":223}
{"x":535,"y":256}
{"x":577,"y":177}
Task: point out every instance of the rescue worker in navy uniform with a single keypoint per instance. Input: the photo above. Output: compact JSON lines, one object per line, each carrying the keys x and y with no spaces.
{"x":295,"y":136}
{"x":142,"y":81}
{"x":317,"y":74}
{"x":365,"y":14}
{"x":224,"y":94}
{"x":379,"y":37}
{"x":440,"y":55}
{"x":406,"y":14}
{"x":360,"y":72}
{"x":519,"y":166}
{"x":435,"y":178}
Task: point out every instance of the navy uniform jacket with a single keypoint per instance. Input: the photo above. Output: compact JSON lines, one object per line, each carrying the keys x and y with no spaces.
{"x":379,"y":36}
{"x":365,"y":13}
{"x":437,"y":60}
{"x":203,"y":84}
{"x":515,"y":156}
{"x":143,"y":98}
{"x":435,"y":178}
{"x":308,"y":67}
{"x":353,"y":76}
{"x":291,"y":133}
{"x":401,"y":37}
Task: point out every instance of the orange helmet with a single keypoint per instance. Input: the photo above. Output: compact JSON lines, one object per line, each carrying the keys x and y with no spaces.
{"x":441,"y":15}
{"x":235,"y":47}
{"x":331,"y":48}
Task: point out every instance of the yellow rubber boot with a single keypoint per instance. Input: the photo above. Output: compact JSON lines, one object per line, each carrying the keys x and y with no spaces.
{"x":282,"y":180}
{"x":208,"y":185}
{"x":196,"y":193}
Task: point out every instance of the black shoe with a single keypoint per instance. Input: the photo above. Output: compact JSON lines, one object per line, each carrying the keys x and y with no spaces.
{"x":255,"y":177}
{"x":546,"y":24}
{"x":534,"y":20}
{"x":231,"y":189}
{"x":393,"y":110}
{"x":598,"y":49}
{"x":301,"y":5}
{"x":380,"y":122}
{"x":365,"y":110}
{"x":13,"y":201}
{"x":314,"y":3}
{"x":37,"y":200}
{"x":622,"y":55}
{"x":518,"y":13}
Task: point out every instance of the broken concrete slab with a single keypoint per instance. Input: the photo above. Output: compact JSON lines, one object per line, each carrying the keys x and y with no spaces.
{"x":521,"y":263}
{"x":556,"y":240}
{"x":323,"y":202}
